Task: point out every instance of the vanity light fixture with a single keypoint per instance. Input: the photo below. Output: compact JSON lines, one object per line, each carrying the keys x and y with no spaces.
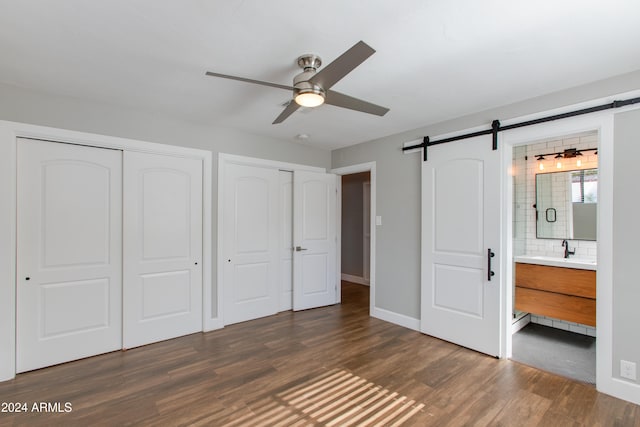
{"x":566,"y":154}
{"x":559,"y":162}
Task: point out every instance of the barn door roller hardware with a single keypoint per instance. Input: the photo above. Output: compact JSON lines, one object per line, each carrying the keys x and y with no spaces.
{"x":496,"y":127}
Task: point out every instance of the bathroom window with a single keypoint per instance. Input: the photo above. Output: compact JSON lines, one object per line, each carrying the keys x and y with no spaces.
{"x":584,"y":186}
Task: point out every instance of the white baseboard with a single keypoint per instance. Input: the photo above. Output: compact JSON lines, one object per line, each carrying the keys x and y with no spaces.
{"x":521,"y":323}
{"x":398,"y":319}
{"x":355,"y":279}
{"x":213,"y":324}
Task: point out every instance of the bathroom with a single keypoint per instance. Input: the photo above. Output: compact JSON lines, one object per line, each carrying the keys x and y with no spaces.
{"x":555,"y":254}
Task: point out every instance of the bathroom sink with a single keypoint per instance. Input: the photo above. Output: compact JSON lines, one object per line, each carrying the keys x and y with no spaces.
{"x":583,"y":264}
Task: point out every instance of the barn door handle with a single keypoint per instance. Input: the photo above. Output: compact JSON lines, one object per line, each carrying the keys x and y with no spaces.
{"x":300,"y":248}
{"x":490,"y":273}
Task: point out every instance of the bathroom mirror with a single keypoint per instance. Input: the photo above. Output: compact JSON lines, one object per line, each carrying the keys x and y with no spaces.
{"x":566,"y":204}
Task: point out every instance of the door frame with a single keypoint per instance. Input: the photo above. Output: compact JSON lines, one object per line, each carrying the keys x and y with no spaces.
{"x":9,"y":133}
{"x":348,"y":170}
{"x":366,"y":209}
{"x":224,"y":159}
{"x":603,"y":123}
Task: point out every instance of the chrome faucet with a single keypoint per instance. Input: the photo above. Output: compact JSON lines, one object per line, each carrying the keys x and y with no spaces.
{"x":567,"y":252}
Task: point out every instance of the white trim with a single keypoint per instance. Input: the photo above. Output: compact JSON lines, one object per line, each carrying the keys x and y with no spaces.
{"x":224,"y":159}
{"x":264,"y":163}
{"x":9,"y":132}
{"x":347,"y":170}
{"x":603,"y":122}
{"x":354,"y":279}
{"x":338,"y":240}
{"x":520,"y":323}
{"x":8,"y":205}
{"x":366,"y":206}
{"x":396,"y":318}
{"x":506,"y":236}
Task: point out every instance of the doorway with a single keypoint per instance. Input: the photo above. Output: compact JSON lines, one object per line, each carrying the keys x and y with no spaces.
{"x":554,"y":253}
{"x":357,"y":229}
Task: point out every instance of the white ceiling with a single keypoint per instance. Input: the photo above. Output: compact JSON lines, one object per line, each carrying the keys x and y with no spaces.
{"x":435,"y":59}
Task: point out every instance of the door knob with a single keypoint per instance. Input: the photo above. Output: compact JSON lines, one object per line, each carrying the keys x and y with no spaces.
{"x":300,"y":248}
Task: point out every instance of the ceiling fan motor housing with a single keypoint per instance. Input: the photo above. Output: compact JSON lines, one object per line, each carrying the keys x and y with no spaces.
{"x":301,"y":83}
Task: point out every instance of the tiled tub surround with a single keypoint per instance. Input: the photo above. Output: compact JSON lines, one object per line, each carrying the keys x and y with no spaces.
{"x":524,"y":219}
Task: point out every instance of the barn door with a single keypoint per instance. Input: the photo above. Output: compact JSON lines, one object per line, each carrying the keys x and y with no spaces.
{"x":460,"y":244}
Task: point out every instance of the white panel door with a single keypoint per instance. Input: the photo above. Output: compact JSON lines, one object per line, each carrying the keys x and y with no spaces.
{"x":285,"y":272}
{"x":162,"y":247}
{"x":460,"y":224}
{"x":250,"y":242}
{"x":314,"y":237}
{"x":69,"y":252}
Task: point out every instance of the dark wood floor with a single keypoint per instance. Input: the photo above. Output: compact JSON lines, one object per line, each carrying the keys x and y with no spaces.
{"x":328,"y":366}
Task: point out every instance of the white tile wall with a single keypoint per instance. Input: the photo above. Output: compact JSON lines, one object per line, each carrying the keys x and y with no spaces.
{"x":561,"y":324}
{"x":524,"y":227}
{"x":524,"y":215}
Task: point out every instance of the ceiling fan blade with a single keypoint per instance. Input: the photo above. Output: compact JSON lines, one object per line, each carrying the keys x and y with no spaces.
{"x":345,"y":101}
{"x":342,"y":65}
{"x":289,"y":110}
{"x":243,"y":79}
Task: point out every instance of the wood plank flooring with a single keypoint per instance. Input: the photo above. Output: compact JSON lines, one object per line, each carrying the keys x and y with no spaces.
{"x":332,"y":366}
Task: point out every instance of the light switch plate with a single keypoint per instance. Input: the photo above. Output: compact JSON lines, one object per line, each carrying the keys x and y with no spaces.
{"x":378,"y":220}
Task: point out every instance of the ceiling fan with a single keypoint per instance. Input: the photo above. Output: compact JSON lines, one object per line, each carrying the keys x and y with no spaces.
{"x":311,"y":88}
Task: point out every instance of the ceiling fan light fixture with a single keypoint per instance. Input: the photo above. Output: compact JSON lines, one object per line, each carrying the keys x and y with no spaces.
{"x":309,"y":97}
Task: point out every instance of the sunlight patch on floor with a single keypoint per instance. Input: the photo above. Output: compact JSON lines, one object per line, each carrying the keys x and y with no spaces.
{"x":336,"y":398}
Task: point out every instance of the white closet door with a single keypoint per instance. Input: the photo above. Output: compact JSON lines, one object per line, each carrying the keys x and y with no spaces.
{"x":162,"y":247}
{"x":250,"y":242}
{"x":69,"y":252}
{"x":285,"y":274}
{"x":314,"y":237}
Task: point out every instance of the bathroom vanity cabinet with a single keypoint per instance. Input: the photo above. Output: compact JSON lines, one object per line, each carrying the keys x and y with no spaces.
{"x":562,"y":293}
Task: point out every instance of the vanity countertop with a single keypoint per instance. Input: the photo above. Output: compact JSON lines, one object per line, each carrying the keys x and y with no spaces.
{"x":581,"y":264}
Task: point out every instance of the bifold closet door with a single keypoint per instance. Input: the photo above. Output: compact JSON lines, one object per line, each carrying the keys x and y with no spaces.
{"x":162,"y":247}
{"x":69,"y":255}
